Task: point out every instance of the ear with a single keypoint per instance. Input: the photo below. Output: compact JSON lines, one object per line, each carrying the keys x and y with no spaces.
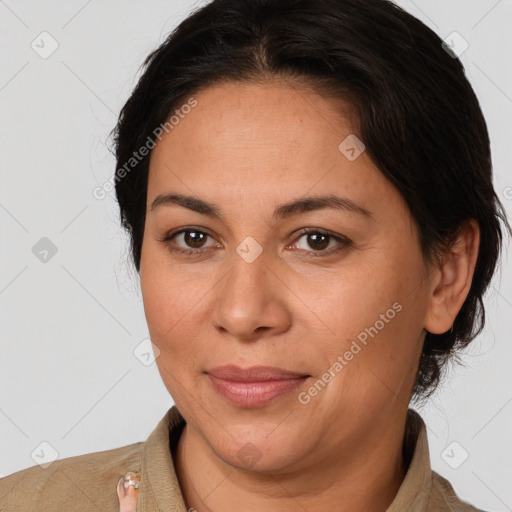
{"x":452,"y":279}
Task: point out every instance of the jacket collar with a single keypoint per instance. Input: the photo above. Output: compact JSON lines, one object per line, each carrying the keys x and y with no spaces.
{"x":160,"y":490}
{"x":414,"y":493}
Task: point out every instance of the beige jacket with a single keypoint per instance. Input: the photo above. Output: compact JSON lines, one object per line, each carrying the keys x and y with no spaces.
{"x":88,"y":482}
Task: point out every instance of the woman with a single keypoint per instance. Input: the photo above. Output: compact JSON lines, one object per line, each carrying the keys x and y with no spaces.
{"x":308,"y":190}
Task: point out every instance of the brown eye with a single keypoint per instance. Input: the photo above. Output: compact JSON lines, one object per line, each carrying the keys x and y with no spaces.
{"x":318,"y":240}
{"x":188,"y":241}
{"x":317,"y":243}
{"x":194,"y":239}
{"x":321,"y":242}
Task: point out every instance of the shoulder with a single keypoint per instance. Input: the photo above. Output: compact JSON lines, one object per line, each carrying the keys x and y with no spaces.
{"x":83,"y":482}
{"x":444,"y":497}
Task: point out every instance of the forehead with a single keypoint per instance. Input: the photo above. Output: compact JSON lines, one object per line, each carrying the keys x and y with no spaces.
{"x":261,"y":117}
{"x":260,"y":141}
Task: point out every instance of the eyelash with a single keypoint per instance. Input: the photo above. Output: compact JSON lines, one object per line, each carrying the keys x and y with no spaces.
{"x":342,"y":241}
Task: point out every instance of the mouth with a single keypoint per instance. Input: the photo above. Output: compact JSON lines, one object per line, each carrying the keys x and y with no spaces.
{"x":255,"y":386}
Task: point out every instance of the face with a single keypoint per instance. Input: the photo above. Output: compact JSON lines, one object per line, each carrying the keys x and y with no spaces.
{"x":286,"y":333}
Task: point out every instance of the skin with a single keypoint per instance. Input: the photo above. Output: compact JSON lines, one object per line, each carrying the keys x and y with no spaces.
{"x":249,"y":148}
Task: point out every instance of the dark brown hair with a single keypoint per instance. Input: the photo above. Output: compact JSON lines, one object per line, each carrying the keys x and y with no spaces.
{"x":417,"y":115}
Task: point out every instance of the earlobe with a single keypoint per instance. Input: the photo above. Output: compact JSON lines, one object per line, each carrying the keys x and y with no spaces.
{"x":453,"y":278}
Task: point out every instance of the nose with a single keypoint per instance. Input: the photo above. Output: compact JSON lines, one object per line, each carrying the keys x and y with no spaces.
{"x":251,"y":302}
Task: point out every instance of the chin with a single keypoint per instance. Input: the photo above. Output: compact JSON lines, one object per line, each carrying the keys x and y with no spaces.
{"x":260,"y":452}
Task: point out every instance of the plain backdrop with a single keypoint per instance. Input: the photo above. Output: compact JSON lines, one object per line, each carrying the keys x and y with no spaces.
{"x":71,"y":308}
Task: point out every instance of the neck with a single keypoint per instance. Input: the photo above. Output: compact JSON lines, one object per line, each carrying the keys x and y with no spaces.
{"x":361,"y":479}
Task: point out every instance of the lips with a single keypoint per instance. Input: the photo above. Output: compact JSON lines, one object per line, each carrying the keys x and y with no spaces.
{"x":255,"y":386}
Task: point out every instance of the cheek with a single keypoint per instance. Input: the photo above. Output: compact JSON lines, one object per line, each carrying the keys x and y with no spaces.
{"x":376,"y":320}
{"x":356,"y":298}
{"x":172,"y":305}
{"x":167,"y":292}
{"x":158,"y":302}
{"x":171,"y":327}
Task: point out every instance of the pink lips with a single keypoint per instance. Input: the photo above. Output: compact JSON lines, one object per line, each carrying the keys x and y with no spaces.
{"x":255,"y":386}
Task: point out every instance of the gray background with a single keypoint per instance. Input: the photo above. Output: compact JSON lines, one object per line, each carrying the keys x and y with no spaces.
{"x":70,"y":324}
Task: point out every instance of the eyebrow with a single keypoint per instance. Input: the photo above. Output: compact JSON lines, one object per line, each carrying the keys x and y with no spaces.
{"x":295,"y":207}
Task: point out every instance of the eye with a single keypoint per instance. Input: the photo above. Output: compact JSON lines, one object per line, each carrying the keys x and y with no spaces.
{"x":192,"y":241}
{"x":322,"y":242}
